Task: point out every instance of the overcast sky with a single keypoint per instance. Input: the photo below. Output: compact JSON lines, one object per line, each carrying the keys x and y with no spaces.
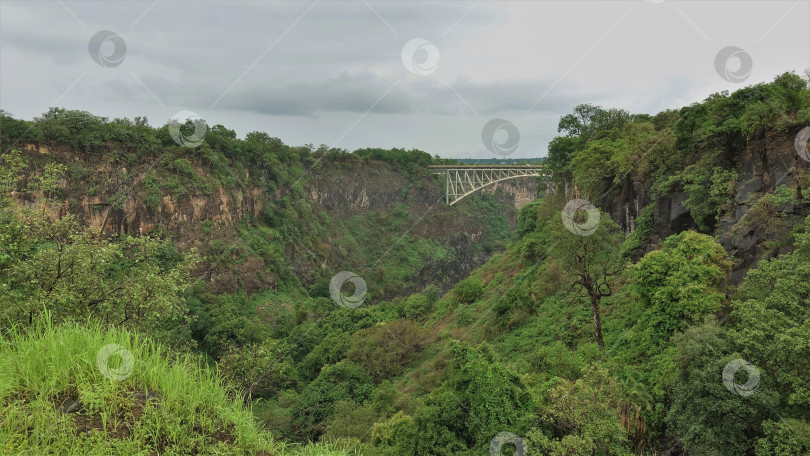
{"x":334,"y":73}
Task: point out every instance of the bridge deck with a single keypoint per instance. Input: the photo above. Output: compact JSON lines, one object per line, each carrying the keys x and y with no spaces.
{"x":462,"y":166}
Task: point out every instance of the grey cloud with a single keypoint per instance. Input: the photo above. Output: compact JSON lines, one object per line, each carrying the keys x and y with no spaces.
{"x":324,"y":73}
{"x":358,"y":92}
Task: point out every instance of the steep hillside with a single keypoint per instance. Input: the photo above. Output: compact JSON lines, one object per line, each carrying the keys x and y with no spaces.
{"x":727,"y":200}
{"x":287,"y":221}
{"x":647,"y":323}
{"x":697,"y":350}
{"x":655,"y":305}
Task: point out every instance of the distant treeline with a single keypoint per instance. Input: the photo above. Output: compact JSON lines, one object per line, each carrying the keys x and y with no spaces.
{"x":501,"y":161}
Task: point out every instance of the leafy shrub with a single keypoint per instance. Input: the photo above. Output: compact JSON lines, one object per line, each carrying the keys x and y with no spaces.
{"x":478,"y":387}
{"x":431,"y":293}
{"x":586,"y":413}
{"x":710,"y":194}
{"x":464,"y":315}
{"x":631,"y":247}
{"x":533,"y":250}
{"x":527,"y":218}
{"x":556,"y":359}
{"x":81,"y":276}
{"x":417,"y":306}
{"x":182,"y":167}
{"x":680,"y":284}
{"x":385,"y":349}
{"x":154,"y":196}
{"x":469,"y":290}
{"x":769,"y":210}
{"x":515,"y":298}
{"x":225,"y":321}
{"x":397,"y":432}
{"x":719,"y":421}
{"x":258,"y":370}
{"x":330,"y":350}
{"x":351,"y":420}
{"x":343,"y":381}
{"x":788,"y":437}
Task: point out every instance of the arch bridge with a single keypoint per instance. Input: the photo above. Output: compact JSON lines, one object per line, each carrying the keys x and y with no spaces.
{"x":463,"y":180}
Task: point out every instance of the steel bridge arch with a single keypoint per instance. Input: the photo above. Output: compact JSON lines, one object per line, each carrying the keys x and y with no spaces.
{"x":464,"y":180}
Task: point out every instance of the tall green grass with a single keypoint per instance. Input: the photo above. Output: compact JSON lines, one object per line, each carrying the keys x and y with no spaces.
{"x":192,"y":412}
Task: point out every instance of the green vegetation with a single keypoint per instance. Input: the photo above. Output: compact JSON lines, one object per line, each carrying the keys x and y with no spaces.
{"x":57,"y":400}
{"x":591,"y":261}
{"x":691,"y":150}
{"x":602,"y":342}
{"x":281,"y":239}
{"x":176,"y":408}
{"x":469,"y":290}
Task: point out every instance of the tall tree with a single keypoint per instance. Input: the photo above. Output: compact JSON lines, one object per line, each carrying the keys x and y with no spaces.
{"x":591,"y":261}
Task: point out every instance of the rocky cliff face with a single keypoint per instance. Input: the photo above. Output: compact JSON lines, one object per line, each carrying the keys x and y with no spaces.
{"x":110,"y":197}
{"x":767,"y":164}
{"x":374,"y":185}
{"x":113,"y":198}
{"x":764,"y":165}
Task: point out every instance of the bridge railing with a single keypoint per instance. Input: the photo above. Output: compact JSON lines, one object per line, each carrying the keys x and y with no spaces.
{"x":484,"y":166}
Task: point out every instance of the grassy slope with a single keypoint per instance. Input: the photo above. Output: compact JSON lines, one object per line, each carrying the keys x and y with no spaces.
{"x":188,"y":410}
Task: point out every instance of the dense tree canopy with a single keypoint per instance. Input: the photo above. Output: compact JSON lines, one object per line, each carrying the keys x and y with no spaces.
{"x":575,"y":338}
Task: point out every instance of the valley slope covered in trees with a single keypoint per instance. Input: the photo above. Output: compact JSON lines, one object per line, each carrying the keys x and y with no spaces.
{"x":159,"y":299}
